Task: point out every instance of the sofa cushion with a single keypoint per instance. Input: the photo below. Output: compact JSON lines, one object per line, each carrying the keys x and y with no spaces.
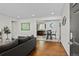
{"x":8,"y":46}
{"x":23,"y":39}
{"x":31,"y":37}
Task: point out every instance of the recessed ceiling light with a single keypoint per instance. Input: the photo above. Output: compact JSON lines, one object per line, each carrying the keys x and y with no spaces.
{"x":52,"y":13}
{"x":18,"y":17}
{"x":33,"y":15}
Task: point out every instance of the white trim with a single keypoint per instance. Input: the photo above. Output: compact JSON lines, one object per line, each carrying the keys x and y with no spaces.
{"x":53,"y":40}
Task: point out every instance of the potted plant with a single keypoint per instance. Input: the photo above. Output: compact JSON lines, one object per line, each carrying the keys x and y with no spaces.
{"x":6,"y":31}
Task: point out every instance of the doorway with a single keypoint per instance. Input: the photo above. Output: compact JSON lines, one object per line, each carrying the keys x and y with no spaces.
{"x":48,"y":30}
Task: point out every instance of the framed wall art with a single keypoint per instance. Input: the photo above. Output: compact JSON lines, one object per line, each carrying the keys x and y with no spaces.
{"x":25,"y":26}
{"x":64,"y":20}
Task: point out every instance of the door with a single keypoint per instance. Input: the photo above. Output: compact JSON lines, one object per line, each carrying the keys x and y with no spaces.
{"x":74,"y":29}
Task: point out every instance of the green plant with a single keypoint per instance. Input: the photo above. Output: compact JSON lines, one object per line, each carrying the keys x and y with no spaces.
{"x":6,"y":31}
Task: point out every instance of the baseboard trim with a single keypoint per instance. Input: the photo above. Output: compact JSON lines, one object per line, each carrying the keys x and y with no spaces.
{"x":50,"y":40}
{"x":64,"y":49}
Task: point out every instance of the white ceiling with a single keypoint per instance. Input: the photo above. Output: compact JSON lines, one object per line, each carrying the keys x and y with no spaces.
{"x":31,"y":10}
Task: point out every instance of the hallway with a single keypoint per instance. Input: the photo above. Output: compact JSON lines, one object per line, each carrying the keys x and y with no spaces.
{"x":50,"y":49}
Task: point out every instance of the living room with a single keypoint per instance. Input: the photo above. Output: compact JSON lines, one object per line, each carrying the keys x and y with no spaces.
{"x":21,"y":21}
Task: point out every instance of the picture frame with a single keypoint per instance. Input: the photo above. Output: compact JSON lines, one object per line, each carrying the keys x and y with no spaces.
{"x":64,"y":20}
{"x":25,"y":26}
{"x":51,"y":25}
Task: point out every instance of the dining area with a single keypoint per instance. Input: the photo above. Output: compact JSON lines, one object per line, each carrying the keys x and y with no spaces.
{"x":48,"y":31}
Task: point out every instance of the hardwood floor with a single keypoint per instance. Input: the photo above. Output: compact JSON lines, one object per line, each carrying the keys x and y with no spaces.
{"x":50,"y":49}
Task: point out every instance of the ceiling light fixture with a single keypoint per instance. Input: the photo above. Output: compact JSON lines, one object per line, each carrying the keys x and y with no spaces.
{"x":52,"y":13}
{"x":33,"y":15}
{"x":18,"y":17}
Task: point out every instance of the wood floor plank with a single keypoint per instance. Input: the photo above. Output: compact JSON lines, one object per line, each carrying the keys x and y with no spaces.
{"x":50,"y":49}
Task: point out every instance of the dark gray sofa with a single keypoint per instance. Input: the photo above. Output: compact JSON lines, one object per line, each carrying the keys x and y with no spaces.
{"x":20,"y":47}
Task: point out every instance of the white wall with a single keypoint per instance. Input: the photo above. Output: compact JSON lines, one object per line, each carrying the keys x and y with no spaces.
{"x":6,"y":21}
{"x":14,"y":27}
{"x":65,"y":30}
{"x":32,"y":30}
{"x":33,"y":26}
{"x":55,"y":27}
